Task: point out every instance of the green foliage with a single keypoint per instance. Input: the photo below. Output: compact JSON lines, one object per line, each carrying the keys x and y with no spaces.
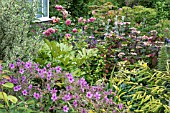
{"x":77,"y":8}
{"x":60,"y":54}
{"x":142,"y":89}
{"x":138,"y":14}
{"x":4,"y":98}
{"x":162,"y":13}
{"x":16,"y":40}
{"x":104,"y":11}
{"x":163,"y":59}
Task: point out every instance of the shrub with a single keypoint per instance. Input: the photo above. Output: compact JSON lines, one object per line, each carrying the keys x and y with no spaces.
{"x":163,"y":59}
{"x":141,"y":88}
{"x":15,"y":38}
{"x":64,"y":55}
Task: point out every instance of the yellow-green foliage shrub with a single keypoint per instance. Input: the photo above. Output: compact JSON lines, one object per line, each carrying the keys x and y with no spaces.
{"x":141,"y":89}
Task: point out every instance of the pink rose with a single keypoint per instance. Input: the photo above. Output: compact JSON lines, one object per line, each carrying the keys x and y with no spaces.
{"x":92,"y":19}
{"x":55,"y":20}
{"x":68,"y":22}
{"x":47,"y":33}
{"x":93,"y":12}
{"x":88,"y":20}
{"x":80,"y":19}
{"x":85,"y":27}
{"x":67,"y":36}
{"x":51,"y":30}
{"x":59,"y":7}
{"x":74,"y":30}
{"x":65,"y":14}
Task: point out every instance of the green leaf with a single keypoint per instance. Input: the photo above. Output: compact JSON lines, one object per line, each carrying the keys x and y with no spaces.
{"x":1,"y":106}
{"x":3,"y":96}
{"x":8,"y":85}
{"x":30,"y":102}
{"x":12,"y":99}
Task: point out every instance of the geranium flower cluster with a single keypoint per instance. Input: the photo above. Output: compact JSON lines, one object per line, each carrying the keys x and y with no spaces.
{"x":74,"y":94}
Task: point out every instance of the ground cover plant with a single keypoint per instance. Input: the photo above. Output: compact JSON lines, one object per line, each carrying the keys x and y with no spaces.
{"x":106,"y":58}
{"x":52,"y":90}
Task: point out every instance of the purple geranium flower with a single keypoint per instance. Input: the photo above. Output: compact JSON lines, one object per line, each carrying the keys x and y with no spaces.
{"x":21,"y":71}
{"x":53,"y":91}
{"x":49,"y":65}
{"x":48,"y":87}
{"x":54,"y":97}
{"x":71,"y":79}
{"x":58,"y":69}
{"x":23,"y":78}
{"x":89,"y":95}
{"x":65,"y":108}
{"x":36,"y":95}
{"x":83,"y":111}
{"x":17,"y":88}
{"x":12,"y":66}
{"x":97,"y":95}
{"x":68,"y":75}
{"x":67,"y":97}
{"x":75,"y":103}
{"x":30,"y":86}
{"x":68,"y":88}
{"x":24,"y":92}
{"x":120,"y":106}
{"x":28,"y":65}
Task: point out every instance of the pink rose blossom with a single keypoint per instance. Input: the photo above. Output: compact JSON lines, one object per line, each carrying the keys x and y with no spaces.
{"x":59,"y":7}
{"x":55,"y":20}
{"x":74,"y":30}
{"x":80,"y":19}
{"x":68,"y":22}
{"x":51,"y":30}
{"x":65,"y":14}
{"x":67,"y":36}
{"x":88,"y":20}
{"x":47,"y":33}
{"x":92,"y":19}
{"x":85,"y":27}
